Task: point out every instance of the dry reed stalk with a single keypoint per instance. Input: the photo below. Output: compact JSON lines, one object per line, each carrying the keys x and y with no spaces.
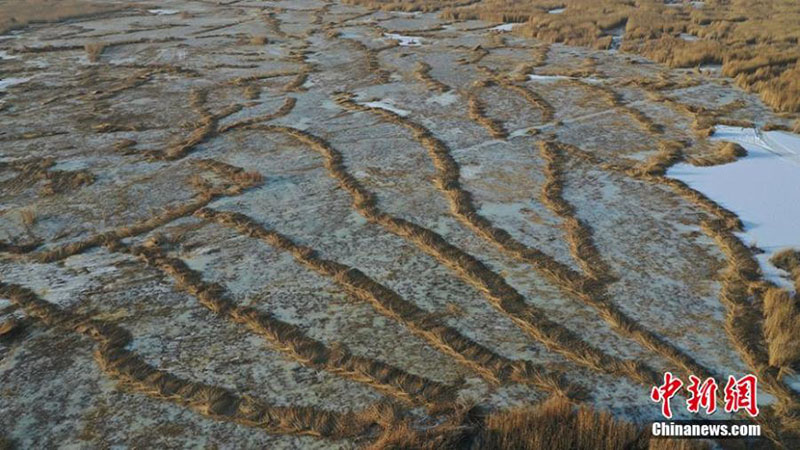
{"x":741,"y":280}
{"x":579,"y":234}
{"x":615,"y":101}
{"x":726,"y":152}
{"x":536,"y":100}
{"x":207,"y":127}
{"x":287,"y":107}
{"x":423,"y":73}
{"x":372,"y":62}
{"x":556,"y":424}
{"x":587,"y":290}
{"x":781,"y":322}
{"x":585,"y":253}
{"x":94,"y":50}
{"x":477,"y":112}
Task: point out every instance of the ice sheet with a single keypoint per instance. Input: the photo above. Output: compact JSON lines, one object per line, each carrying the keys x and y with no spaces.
{"x":763,"y":189}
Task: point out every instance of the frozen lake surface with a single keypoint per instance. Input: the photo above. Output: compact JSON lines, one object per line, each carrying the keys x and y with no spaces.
{"x":763,"y":189}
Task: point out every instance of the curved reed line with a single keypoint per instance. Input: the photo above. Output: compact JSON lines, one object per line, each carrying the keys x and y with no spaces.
{"x":583,"y":249}
{"x":291,"y":340}
{"x":241,"y":180}
{"x":208,"y":126}
{"x":615,"y":100}
{"x":489,"y":365}
{"x":212,"y":401}
{"x":286,"y":108}
{"x":579,"y":234}
{"x":477,"y":112}
{"x":491,"y":285}
{"x":372,"y":62}
{"x":423,"y":73}
{"x":536,"y":100}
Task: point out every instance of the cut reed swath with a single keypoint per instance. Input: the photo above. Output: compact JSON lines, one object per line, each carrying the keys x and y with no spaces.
{"x":579,"y":234}
{"x":491,"y":285}
{"x":241,"y":180}
{"x":371,"y":61}
{"x":206,"y":128}
{"x":584,"y":251}
{"x":477,"y":112}
{"x":286,"y":108}
{"x":742,"y":284}
{"x":503,"y":296}
{"x":423,"y":73}
{"x":489,"y":365}
{"x":291,"y":340}
{"x":116,"y":361}
{"x":615,"y":100}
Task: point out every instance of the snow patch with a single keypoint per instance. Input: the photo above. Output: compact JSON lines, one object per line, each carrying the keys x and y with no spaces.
{"x":761,"y":188}
{"x":552,"y":78}
{"x":4,"y":55}
{"x":387,"y":105}
{"x":504,"y":27}
{"x":6,"y":82}
{"x":444,"y":99}
{"x":556,"y":11}
{"x":163,"y":12}
{"x":404,"y":41}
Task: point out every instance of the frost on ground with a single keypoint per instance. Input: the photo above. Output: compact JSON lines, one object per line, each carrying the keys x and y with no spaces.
{"x":272,"y":202}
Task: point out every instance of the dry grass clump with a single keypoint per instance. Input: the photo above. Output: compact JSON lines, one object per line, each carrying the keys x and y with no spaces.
{"x":477,"y":112}
{"x":422,"y":73}
{"x":28,"y":216}
{"x":557,"y":425}
{"x":669,"y":153}
{"x":781,"y":323}
{"x":788,"y":260}
{"x":725,"y":152}
{"x":20,"y":13}
{"x":60,"y":181}
{"x":94,"y":50}
{"x":35,"y":170}
{"x":9,"y":326}
{"x":258,"y":40}
{"x":756,"y":42}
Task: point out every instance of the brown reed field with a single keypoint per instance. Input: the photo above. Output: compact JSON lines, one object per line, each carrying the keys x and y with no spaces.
{"x":386,"y":224}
